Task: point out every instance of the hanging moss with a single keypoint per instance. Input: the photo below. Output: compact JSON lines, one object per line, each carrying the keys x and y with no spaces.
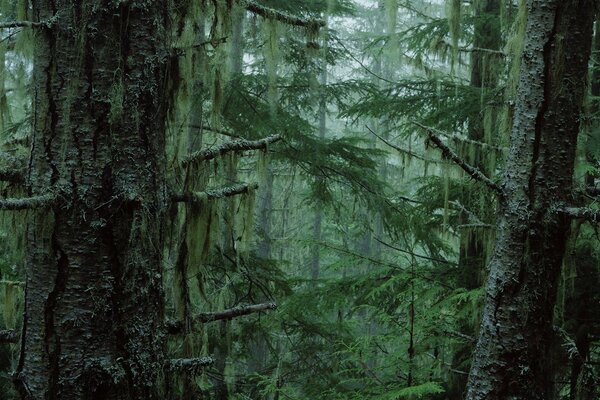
{"x":271,"y":54}
{"x":453,"y":11}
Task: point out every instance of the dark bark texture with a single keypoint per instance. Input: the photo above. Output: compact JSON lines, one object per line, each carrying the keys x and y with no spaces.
{"x":94,"y":301}
{"x":512,"y":358}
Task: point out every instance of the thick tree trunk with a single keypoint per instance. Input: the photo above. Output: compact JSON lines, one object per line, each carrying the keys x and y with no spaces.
{"x":94,"y":301}
{"x":511,"y":359}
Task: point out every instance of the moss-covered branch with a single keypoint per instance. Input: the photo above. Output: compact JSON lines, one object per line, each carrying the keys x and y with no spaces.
{"x":12,"y":169}
{"x":9,"y":336}
{"x":192,"y":365}
{"x":235,"y":312}
{"x":280,"y":16}
{"x":27,"y":203}
{"x":236,"y":145}
{"x":27,"y":24}
{"x":584,"y":213}
{"x":199,"y":197}
{"x":448,"y":153}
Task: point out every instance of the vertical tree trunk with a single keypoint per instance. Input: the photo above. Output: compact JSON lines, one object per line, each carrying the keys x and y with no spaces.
{"x":511,"y":359}
{"x":94,"y":301}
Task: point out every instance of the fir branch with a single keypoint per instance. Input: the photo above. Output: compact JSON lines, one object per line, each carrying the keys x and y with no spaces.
{"x":198,"y":197}
{"x":189,"y":364}
{"x":237,"y":145}
{"x":584,"y":213}
{"x":280,"y":16}
{"x":450,"y":154}
{"x":9,"y":336}
{"x":27,"y":203}
{"x":234,"y":312}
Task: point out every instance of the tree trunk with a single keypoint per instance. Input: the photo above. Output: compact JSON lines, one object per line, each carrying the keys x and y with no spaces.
{"x":511,"y":360}
{"x":94,"y":300}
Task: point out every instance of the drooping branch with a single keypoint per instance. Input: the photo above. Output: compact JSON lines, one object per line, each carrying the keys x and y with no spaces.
{"x":236,"y":145}
{"x":280,"y":16}
{"x":192,"y":365}
{"x":584,"y":213}
{"x":199,"y":197}
{"x":9,"y":336}
{"x":234,"y":312}
{"x":27,"y":203}
{"x":177,"y":326}
{"x":451,"y":155}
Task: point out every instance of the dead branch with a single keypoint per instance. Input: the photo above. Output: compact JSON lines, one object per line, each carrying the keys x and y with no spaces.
{"x":27,"y":203}
{"x":280,"y":16}
{"x":237,"y":145}
{"x":199,"y":197}
{"x":234,"y":312}
{"x":176,"y":327}
{"x":450,"y":154}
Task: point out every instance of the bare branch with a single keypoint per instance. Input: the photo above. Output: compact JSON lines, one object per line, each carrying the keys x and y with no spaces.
{"x":584,"y":213}
{"x":280,"y":16}
{"x":234,"y":312}
{"x":9,"y":336}
{"x":463,"y":139}
{"x":177,"y":326}
{"x":27,"y":203}
{"x":189,"y":364}
{"x":450,"y":154}
{"x":404,"y":151}
{"x":237,"y":145}
{"x":199,"y":197}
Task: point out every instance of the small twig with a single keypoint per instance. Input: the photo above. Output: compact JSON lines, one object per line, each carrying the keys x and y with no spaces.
{"x":280,"y":16}
{"x":237,"y":145}
{"x":450,"y":154}
{"x":27,"y":203}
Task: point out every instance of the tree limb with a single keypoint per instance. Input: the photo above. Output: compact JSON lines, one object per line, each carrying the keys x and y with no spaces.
{"x":234,"y":312}
{"x":199,"y":197}
{"x":12,"y":169}
{"x":236,"y":145}
{"x":177,"y":326}
{"x":189,"y":364}
{"x":404,"y":151}
{"x":9,"y":336}
{"x":450,"y":154}
{"x":280,"y":16}
{"x":27,"y":203}
{"x":584,"y":213}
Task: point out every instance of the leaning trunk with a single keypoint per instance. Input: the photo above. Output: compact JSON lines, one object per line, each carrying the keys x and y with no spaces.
{"x":512,"y":360}
{"x":94,"y":302}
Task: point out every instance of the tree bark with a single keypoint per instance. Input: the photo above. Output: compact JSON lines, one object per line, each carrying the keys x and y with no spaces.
{"x":511,"y":360}
{"x":94,"y":300}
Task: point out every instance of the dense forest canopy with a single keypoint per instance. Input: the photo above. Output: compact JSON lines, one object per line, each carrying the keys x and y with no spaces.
{"x":312,"y":199}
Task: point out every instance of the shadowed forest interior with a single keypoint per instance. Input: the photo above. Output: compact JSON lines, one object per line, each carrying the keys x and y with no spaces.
{"x":303,"y":200}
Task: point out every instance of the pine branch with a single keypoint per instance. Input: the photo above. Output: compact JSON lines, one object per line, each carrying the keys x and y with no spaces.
{"x":234,"y":312}
{"x":280,"y":16}
{"x":199,"y":197}
{"x":237,"y":145}
{"x":9,"y":336}
{"x":192,"y":365}
{"x":27,"y":203}
{"x":584,"y":213}
{"x":176,"y":327}
{"x":450,"y":154}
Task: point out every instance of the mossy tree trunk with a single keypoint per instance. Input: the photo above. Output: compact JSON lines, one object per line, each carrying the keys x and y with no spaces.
{"x":512,"y":360}
{"x":94,"y":300}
